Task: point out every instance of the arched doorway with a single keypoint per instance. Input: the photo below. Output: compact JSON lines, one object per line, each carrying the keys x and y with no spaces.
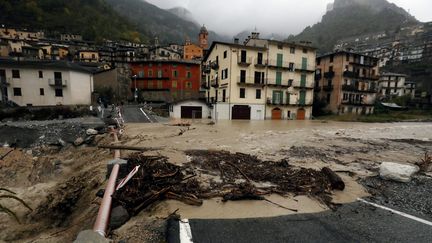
{"x":276,"y":114}
{"x":301,"y":114}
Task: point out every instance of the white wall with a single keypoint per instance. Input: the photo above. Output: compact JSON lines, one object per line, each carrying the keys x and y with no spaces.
{"x":175,"y":110}
{"x":78,"y":89}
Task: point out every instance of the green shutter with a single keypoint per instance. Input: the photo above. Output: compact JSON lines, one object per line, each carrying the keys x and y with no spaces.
{"x":303,"y":80}
{"x":274,"y":97}
{"x":302,"y":100}
{"x":304,"y":63}
{"x":278,"y":78}
{"x":279,"y":60}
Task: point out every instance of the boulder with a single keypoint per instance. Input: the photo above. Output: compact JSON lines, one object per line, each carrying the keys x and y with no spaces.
{"x":91,"y":132}
{"x":397,"y":172}
{"x":78,"y":141}
{"x":119,"y":216}
{"x":61,"y":142}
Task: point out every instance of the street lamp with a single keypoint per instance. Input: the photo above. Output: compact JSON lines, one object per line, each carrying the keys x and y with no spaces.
{"x":136,"y":90}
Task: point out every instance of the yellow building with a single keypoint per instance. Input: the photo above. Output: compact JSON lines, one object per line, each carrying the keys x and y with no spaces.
{"x":88,"y":56}
{"x":260,"y":79}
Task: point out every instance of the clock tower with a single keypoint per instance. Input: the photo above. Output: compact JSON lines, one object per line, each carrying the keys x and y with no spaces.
{"x":203,"y":38}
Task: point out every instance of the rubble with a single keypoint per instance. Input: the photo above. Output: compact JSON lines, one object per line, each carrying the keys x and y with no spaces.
{"x":241,"y":178}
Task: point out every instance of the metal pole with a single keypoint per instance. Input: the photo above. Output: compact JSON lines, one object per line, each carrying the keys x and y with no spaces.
{"x":136,"y":91}
{"x":103,"y":217}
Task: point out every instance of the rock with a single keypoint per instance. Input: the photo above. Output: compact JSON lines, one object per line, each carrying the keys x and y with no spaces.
{"x":91,"y":132}
{"x":90,"y":236}
{"x":119,"y":216}
{"x":397,"y":172}
{"x":61,"y":142}
{"x":89,"y":139}
{"x":79,"y":141}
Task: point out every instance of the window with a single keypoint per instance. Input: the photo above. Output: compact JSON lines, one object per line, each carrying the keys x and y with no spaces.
{"x":347,"y":57}
{"x":15,"y":74}
{"x":150,"y":84}
{"x":292,"y":50}
{"x":59,"y":92}
{"x":290,"y":82}
{"x":150,"y":73}
{"x":304,"y":50}
{"x":318,"y":61}
{"x":328,"y":98}
{"x":17,"y":91}
{"x":223,"y":95}
{"x":189,"y":85}
{"x":159,"y":84}
{"x":175,"y":74}
{"x":258,"y":94}
{"x":40,"y":74}
{"x":331,"y":58}
{"x":280,"y":46}
{"x":41,"y":92}
{"x":242,"y":93}
{"x":174,"y":65}
{"x":174,"y":84}
{"x":57,"y":75}
{"x":242,"y":76}
{"x":159,"y":74}
{"x":291,"y":66}
{"x":188,"y":75}
{"x":225,"y":73}
{"x":141,"y":74}
{"x":225,"y":54}
{"x":345,"y":96}
{"x":259,"y":77}
{"x":260,"y":58}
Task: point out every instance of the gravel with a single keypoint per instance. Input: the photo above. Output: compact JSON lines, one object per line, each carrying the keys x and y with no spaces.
{"x":413,"y":197}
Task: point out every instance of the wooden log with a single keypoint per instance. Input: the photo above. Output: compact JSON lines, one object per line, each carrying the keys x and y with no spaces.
{"x":6,"y":154}
{"x":335,"y":180}
{"x":185,"y":199}
{"x":123,"y":147}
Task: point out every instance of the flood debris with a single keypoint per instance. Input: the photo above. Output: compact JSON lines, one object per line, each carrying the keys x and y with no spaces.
{"x":242,"y":177}
{"x":425,"y":163}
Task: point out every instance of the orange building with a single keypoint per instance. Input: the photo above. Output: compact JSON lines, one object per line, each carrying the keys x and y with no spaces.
{"x":192,"y":51}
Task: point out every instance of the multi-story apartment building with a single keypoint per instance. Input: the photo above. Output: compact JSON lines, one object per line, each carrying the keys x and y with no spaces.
{"x":392,"y":84}
{"x":347,"y":82}
{"x":260,"y":79}
{"x":166,"y":80}
{"x":45,"y":83}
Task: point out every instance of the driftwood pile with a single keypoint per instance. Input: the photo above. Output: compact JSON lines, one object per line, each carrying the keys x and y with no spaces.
{"x":242,"y":176}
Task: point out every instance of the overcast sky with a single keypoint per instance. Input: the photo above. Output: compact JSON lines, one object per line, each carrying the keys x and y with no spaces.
{"x":271,"y":16}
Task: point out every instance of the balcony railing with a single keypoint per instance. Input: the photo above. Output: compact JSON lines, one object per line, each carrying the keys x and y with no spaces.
{"x":249,"y":81}
{"x":329,"y":75}
{"x":244,"y":61}
{"x":350,"y":74}
{"x":318,"y":77}
{"x":353,"y":88}
{"x":214,"y":82}
{"x":328,"y":88}
{"x":260,"y":63}
{"x":270,"y":101}
{"x":283,"y":83}
{"x":355,"y":102}
{"x":304,"y":68}
{"x":283,"y":65}
{"x":299,"y":85}
{"x":57,"y":82}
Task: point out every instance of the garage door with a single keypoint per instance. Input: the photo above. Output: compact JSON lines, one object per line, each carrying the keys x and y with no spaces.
{"x":301,"y":114}
{"x":276,"y":114}
{"x":241,"y":112}
{"x":190,"y":112}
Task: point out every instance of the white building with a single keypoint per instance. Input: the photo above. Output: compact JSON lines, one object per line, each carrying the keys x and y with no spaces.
{"x":47,"y":83}
{"x":189,"y":109}
{"x":260,"y":79}
{"x":392,"y":84}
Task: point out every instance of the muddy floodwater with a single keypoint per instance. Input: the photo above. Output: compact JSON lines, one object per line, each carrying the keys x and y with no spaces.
{"x":355,"y":150}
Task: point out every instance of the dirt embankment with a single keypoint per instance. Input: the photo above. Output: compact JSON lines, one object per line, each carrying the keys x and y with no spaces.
{"x":58,"y":181}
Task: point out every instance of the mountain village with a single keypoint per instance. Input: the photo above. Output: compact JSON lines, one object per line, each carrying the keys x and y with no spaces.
{"x":253,"y":139}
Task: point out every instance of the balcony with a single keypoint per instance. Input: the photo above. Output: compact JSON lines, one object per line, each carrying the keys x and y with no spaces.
{"x":355,"y":103}
{"x":249,"y":81}
{"x":214,"y":83}
{"x":350,"y":74}
{"x":366,"y":63}
{"x":214,"y":65}
{"x":5,"y":81}
{"x":260,"y":63}
{"x":299,"y":67}
{"x":318,"y":76}
{"x":282,"y":84}
{"x":329,"y":75}
{"x":328,"y":88}
{"x":244,"y":61}
{"x":204,"y":85}
{"x":280,"y":65}
{"x":353,"y":88}
{"x":299,"y":85}
{"x":57,"y":82}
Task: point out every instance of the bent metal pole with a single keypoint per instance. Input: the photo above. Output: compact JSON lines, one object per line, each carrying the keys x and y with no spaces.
{"x":103,"y":217}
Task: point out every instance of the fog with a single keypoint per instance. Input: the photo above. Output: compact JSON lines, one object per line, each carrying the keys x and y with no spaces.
{"x":285,"y":17}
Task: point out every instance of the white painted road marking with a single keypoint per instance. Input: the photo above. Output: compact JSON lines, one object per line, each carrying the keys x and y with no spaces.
{"x":146,"y":115}
{"x":397,"y":212}
{"x":185,"y":231}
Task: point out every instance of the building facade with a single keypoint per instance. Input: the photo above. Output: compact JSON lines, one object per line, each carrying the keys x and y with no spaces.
{"x":260,"y":79}
{"x":36,"y":83}
{"x":347,"y":82}
{"x":166,"y":80}
{"x":392,"y":84}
